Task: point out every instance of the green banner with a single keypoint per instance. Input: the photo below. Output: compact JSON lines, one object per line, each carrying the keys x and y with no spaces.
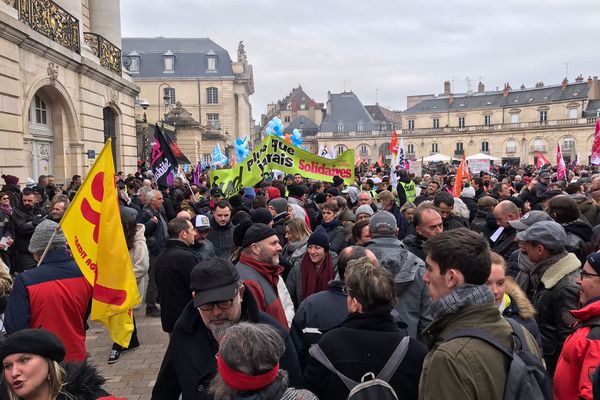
{"x":274,"y":153}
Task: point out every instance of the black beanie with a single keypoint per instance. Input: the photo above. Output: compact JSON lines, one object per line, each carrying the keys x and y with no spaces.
{"x":34,"y":341}
{"x":239,"y":232}
{"x":261,"y":215}
{"x":319,"y":237}
{"x":256,"y":233}
{"x":594,"y":260}
{"x":239,"y":217}
{"x":296,"y":190}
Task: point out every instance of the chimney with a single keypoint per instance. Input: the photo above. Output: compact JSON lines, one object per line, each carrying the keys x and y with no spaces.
{"x":447,"y":88}
{"x":594,"y":92}
{"x":522,"y":86}
{"x":579,"y":79}
{"x":564,"y":84}
{"x":589,"y":80}
{"x":480,"y":88}
{"x":450,"y":98}
{"x":539,"y":85}
{"x":505,"y":90}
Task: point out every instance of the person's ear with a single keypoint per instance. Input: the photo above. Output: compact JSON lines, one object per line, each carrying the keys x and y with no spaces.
{"x":241,"y":294}
{"x":453,"y":278}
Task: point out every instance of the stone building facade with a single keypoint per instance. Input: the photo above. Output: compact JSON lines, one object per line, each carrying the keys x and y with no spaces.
{"x":62,"y":89}
{"x":199,"y":76}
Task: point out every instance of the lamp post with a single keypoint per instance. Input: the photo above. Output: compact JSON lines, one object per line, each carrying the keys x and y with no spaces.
{"x":165,"y":99}
{"x":144,"y":104}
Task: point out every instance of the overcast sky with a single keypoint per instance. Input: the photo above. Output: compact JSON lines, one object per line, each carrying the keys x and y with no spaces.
{"x":395,"y":48}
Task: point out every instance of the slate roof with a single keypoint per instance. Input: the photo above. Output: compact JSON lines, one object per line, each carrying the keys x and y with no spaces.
{"x":305,"y":124}
{"x":382,"y":114}
{"x":490,"y":100}
{"x":346,"y":107}
{"x":190,"y":57}
{"x":592,"y":108}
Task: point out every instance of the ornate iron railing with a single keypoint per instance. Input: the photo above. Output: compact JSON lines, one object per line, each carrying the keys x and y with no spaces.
{"x":52,"y":21}
{"x":108,"y":53}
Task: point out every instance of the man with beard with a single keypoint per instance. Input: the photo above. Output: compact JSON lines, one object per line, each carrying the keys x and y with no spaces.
{"x":220,"y":300}
{"x":259,"y":269}
{"x":429,"y":194}
{"x":202,"y":246}
{"x":58,"y":206}
{"x":24,"y":219}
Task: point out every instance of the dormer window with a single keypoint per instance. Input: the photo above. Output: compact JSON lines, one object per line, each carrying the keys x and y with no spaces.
{"x":211,"y":59}
{"x":132,"y":62}
{"x":169,"y":62}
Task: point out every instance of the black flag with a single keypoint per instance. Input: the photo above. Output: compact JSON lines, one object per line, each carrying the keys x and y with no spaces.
{"x":164,"y":163}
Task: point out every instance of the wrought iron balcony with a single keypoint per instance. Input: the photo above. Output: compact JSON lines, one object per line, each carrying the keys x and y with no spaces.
{"x":52,"y":21}
{"x":108,"y":53}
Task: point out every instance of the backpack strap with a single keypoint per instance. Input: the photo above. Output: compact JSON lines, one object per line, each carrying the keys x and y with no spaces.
{"x":317,"y":353}
{"x":480,"y":334}
{"x":518,"y":331}
{"x":390,"y":367}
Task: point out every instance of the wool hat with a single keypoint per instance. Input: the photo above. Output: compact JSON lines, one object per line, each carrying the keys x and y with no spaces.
{"x":320,"y":198}
{"x":332,"y":191}
{"x":468,"y":193}
{"x":364,"y":209}
{"x":201,"y":222}
{"x":42,"y":234}
{"x":529,"y":219}
{"x":239,"y":232}
{"x":249,"y":193}
{"x":549,"y":234}
{"x":319,"y":238}
{"x":34,"y":341}
{"x":385,"y":195}
{"x":239,"y":217}
{"x":10,"y":179}
{"x":296,"y":190}
{"x":212,"y":280}
{"x":383,"y":224}
{"x":594,"y":260}
{"x":487,"y":201}
{"x":337,"y":181}
{"x":261,"y":215}
{"x":216,"y":192}
{"x":280,"y":204}
{"x":273,"y":192}
{"x":236,"y":201}
{"x":256,"y":233}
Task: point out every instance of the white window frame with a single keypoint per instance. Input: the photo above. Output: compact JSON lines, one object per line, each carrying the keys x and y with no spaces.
{"x":212,"y":122}
{"x":514,"y":118}
{"x":169,"y":64}
{"x":411,"y":124}
{"x":487,"y":120}
{"x":212,"y":95}
{"x":543,"y":116}
{"x":410,"y":148}
{"x":434,"y":148}
{"x":211,"y":63}
{"x":485,"y":146}
{"x":461,"y":122}
{"x":573,"y":113}
{"x":436,"y":123}
{"x":171,"y":94}
{"x":340,"y":126}
{"x":134,"y":65}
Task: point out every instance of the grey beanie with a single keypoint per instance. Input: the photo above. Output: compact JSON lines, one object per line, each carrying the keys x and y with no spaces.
{"x":279,"y":204}
{"x":42,"y":234}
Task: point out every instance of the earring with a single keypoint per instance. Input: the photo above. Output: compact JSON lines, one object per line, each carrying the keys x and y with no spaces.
{"x":49,"y":377}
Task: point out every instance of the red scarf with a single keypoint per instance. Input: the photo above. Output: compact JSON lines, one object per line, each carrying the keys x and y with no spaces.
{"x":269,"y":271}
{"x":313,"y":280}
{"x":243,"y":382}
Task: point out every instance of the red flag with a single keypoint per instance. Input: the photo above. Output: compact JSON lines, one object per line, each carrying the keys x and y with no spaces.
{"x":394,"y":145}
{"x":460,"y":174}
{"x":380,"y":160}
{"x":595,"y":159}
{"x":541,"y":160}
{"x":561,"y":168}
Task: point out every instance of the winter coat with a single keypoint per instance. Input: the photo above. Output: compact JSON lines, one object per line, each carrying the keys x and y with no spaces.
{"x":579,"y":233}
{"x":140,"y":259}
{"x":24,"y":221}
{"x":173,"y":278}
{"x":221,"y":238}
{"x":587,"y":207}
{"x":294,"y":278}
{"x":400,"y":221}
{"x":407,"y":270}
{"x":316,"y":315}
{"x":337,"y":237}
{"x":472,"y":206}
{"x":455,"y":222}
{"x":55,"y":296}
{"x":204,"y":250}
{"x":348,"y":219}
{"x":190,"y":364}
{"x":505,"y":244}
{"x":521,"y":310}
{"x":294,"y":250}
{"x":414,"y":244}
{"x":155,"y":232}
{"x":83,"y":382}
{"x":286,"y":302}
{"x":465,"y":367}
{"x":580,"y":355}
{"x":554,"y":297}
{"x":364,"y":343}
{"x":479,"y":223}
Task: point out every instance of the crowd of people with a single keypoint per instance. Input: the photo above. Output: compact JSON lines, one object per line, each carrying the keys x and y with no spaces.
{"x":303,"y":289}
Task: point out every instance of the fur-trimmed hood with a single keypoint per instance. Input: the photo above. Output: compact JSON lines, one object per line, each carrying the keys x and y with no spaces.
{"x":519,"y":299}
{"x":83,"y":382}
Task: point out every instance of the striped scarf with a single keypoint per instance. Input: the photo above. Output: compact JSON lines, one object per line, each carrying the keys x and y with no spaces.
{"x":465,"y":295}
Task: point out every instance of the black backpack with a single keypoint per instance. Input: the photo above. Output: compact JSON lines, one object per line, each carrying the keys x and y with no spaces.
{"x":527,"y":378}
{"x":370,"y":387}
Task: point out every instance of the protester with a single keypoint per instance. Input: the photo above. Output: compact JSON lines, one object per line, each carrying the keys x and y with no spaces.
{"x":427,"y":223}
{"x":203,"y":248}
{"x":25,"y":217}
{"x":221,"y":234}
{"x":333,"y":226}
{"x":296,"y":233}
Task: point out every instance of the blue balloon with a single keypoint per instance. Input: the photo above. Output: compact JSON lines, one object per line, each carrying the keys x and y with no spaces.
{"x":269,"y":130}
{"x":296,"y":131}
{"x":239,"y":141}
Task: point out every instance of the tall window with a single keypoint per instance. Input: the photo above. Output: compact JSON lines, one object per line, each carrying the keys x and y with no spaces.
{"x":511,"y":147}
{"x":134,"y":65}
{"x":38,"y":113}
{"x":410,"y":148}
{"x":568,"y":145}
{"x":169,"y":96}
{"x":487,"y":120}
{"x":212,"y":63}
{"x":573,"y":113}
{"x":434,"y":147}
{"x":169,"y":64}
{"x":340,"y":126}
{"x":360,"y":126}
{"x":411,"y":124}
{"x":543,"y":116}
{"x":212,"y":95}
{"x":207,"y":158}
{"x":514,"y":118}
{"x":213,"y":120}
{"x":287,"y":119}
{"x":461,"y":122}
{"x":459,"y":148}
{"x":364,"y":151}
{"x":340,"y":149}
{"x":485,"y":147}
{"x":436,"y":123}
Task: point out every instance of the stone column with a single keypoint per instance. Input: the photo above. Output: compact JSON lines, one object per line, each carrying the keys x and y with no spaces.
{"x":105,"y":20}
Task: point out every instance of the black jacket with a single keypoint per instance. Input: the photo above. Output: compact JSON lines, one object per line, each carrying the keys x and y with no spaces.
{"x":471,"y":205}
{"x":579,"y":233}
{"x":400,"y":221}
{"x":414,"y":244}
{"x":364,"y":343}
{"x":173,"y":268}
{"x":24,"y":221}
{"x":221,"y":238}
{"x":82,"y":382}
{"x":190,"y":364}
{"x":505,"y":245}
{"x":155,"y":232}
{"x":481,"y":224}
{"x":455,"y":222}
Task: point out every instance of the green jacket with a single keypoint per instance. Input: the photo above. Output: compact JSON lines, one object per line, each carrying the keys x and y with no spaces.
{"x":467,"y":368}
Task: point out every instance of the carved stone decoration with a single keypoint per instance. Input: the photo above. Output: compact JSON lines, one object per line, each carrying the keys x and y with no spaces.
{"x":241,"y":53}
{"x":10,"y":2}
{"x":115,"y":96}
{"x":52,"y":71}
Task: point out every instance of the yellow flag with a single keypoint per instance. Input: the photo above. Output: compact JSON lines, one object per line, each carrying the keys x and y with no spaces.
{"x":92,"y":226}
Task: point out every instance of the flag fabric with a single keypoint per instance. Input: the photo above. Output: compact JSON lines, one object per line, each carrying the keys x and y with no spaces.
{"x":561,"y":168}
{"x":331,"y":152}
{"x":394,"y":147}
{"x":323,"y":152}
{"x":461,"y":173}
{"x":92,"y":226}
{"x":218,"y":158}
{"x":197,"y":171}
{"x":400,"y":154}
{"x":179,"y":156}
{"x":541,"y":161}
{"x":164,"y":162}
{"x":380,"y":161}
{"x":575,"y":162}
{"x":595,"y":159}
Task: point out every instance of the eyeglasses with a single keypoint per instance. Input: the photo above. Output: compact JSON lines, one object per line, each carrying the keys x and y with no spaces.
{"x":223,"y":305}
{"x":346,"y":290}
{"x":5,"y":198}
{"x":585,"y":274}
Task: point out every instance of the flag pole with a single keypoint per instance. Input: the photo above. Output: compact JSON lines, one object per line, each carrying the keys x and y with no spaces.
{"x":48,"y":246}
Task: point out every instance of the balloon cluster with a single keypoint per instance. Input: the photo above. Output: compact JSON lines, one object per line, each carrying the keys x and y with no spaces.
{"x":241,"y":149}
{"x":296,"y":138}
{"x":275,"y":127}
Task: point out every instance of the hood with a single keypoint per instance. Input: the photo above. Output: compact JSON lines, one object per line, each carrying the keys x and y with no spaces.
{"x":519,"y":299}
{"x":140,"y":231}
{"x":579,"y":228}
{"x":588,"y":311}
{"x":347,"y":215}
{"x":83,"y":381}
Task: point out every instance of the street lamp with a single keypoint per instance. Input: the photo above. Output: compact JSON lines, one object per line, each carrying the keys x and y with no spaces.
{"x":166,"y":98}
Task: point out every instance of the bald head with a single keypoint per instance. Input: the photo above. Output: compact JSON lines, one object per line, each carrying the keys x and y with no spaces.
{"x":353,"y":253}
{"x":506,"y":211}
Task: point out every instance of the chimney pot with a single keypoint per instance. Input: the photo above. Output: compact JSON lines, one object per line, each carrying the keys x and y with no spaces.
{"x":480,"y":88}
{"x":564,"y":83}
{"x":447,"y":88}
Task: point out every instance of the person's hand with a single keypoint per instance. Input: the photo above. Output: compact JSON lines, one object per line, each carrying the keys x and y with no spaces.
{"x":532,"y":185}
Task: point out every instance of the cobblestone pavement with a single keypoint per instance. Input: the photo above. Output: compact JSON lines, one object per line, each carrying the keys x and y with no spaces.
{"x":133,"y":376}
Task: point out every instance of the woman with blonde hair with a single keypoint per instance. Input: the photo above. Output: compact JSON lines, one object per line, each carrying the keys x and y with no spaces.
{"x":296,"y":234}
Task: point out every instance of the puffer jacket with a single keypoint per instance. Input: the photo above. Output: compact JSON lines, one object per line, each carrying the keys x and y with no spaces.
{"x":521,"y":310}
{"x":579,"y":233}
{"x":221,"y":238}
{"x":553,"y":298}
{"x":465,"y":367}
{"x":407,"y":270}
{"x":580,"y":355}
